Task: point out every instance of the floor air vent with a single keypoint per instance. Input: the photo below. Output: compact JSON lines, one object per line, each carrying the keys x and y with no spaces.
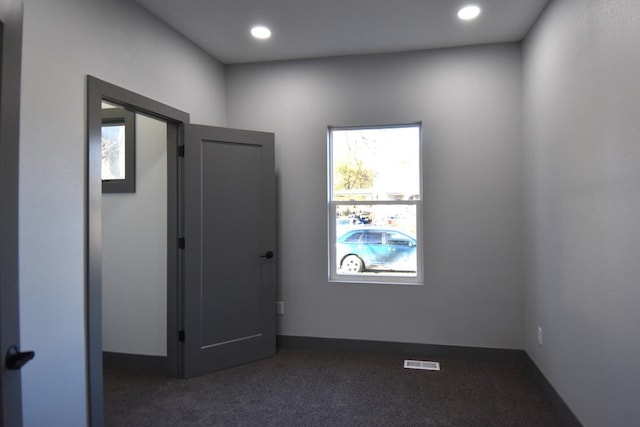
{"x":419,"y":364}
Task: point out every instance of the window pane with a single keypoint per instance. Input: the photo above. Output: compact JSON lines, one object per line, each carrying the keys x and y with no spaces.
{"x":398,"y":239}
{"x":376,"y":239}
{"x":400,"y":217}
{"x":113,"y":157}
{"x":374,"y":198}
{"x":376,"y":164}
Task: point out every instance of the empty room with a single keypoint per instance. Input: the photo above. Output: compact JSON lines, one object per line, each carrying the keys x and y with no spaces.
{"x":357,"y":189}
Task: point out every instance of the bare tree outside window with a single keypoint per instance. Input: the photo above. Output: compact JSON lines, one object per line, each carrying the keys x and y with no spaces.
{"x":113,"y":152}
{"x":118,"y":150}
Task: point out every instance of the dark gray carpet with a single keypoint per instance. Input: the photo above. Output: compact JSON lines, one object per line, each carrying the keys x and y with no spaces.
{"x":317,"y":388}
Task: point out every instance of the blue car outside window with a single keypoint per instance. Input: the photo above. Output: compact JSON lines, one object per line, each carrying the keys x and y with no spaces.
{"x":354,"y":238}
{"x":397,"y":239}
{"x":373,"y":238}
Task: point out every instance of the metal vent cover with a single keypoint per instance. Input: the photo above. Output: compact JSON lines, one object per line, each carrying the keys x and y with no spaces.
{"x":421,"y":364}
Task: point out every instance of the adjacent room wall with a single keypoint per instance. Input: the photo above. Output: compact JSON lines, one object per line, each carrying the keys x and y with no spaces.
{"x":582,"y":151}
{"x":134,"y":251}
{"x":469,"y":100}
{"x":64,"y":40}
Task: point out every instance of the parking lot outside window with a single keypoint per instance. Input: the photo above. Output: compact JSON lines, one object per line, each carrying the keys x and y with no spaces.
{"x":375,"y":204}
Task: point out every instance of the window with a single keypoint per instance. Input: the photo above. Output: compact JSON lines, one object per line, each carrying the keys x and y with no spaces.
{"x":375,"y":203}
{"x":118,"y":150}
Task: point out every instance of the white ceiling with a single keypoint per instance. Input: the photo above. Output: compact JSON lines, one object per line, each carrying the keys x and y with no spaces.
{"x":317,"y":28}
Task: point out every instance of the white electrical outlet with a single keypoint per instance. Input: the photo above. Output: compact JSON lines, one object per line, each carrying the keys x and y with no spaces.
{"x":539,"y":335}
{"x":280,"y":307}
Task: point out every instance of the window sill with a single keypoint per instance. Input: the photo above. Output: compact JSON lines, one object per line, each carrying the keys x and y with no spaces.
{"x":366,"y":281}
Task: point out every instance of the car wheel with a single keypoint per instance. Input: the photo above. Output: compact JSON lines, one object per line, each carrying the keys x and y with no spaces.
{"x":352,"y":264}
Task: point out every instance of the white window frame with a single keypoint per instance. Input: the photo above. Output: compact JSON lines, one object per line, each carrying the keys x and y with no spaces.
{"x":376,"y":278}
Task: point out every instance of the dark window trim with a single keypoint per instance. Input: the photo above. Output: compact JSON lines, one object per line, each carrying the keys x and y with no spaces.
{"x":128,"y":118}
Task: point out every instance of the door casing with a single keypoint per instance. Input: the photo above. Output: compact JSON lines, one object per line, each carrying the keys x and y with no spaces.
{"x":97,"y":91}
{"x":10,"y":73}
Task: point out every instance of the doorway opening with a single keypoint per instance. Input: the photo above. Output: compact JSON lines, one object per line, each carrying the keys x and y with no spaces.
{"x":134,"y":240}
{"x":98,"y":92}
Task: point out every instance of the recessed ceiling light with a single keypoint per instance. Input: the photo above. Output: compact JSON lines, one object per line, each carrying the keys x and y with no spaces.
{"x":469,"y":12}
{"x":261,"y":32}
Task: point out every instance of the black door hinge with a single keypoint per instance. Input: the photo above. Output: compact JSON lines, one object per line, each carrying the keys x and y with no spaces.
{"x":181,"y":336}
{"x":181,"y":151}
{"x":181,"y":243}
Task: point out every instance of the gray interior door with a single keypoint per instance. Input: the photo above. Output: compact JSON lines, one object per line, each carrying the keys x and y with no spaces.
{"x":10,"y":356}
{"x":229,"y":249}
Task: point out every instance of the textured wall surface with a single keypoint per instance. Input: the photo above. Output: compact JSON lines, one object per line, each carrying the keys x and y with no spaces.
{"x":582,"y":104}
{"x":469,"y":102}
{"x":134,"y":251}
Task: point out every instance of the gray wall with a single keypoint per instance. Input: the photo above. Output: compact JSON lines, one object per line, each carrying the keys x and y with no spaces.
{"x":134,"y":251}
{"x":63,"y":41}
{"x":469,"y":101}
{"x":582,"y":194}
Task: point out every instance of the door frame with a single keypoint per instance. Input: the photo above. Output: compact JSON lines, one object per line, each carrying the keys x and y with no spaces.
{"x":11,"y":13}
{"x":98,"y":91}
